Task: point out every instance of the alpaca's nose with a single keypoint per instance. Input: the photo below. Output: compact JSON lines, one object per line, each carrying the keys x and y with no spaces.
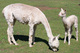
{"x":55,"y":50}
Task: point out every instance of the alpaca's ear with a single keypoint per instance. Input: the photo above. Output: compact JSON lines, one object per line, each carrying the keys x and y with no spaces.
{"x":58,"y":36}
{"x":61,"y":8}
{"x":65,"y":10}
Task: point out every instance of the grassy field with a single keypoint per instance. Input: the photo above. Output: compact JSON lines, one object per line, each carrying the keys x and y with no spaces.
{"x":50,"y":8}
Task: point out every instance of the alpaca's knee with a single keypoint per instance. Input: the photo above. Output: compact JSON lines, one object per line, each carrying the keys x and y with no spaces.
{"x":76,"y":25}
{"x":65,"y":33}
{"x":65,"y":37}
{"x":9,"y":31}
{"x":76,"y":29}
{"x":69,"y":35}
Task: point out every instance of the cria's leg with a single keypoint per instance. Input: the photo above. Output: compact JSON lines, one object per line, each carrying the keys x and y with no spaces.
{"x":76,"y":34}
{"x":69,"y":36}
{"x":65,"y":35}
{"x":76,"y":29}
{"x":31,"y":31}
{"x":71,"y":31}
{"x":10,"y":33}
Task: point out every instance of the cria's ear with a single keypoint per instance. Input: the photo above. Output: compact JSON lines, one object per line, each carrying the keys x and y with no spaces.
{"x":65,"y":10}
{"x":58,"y":36}
{"x":61,"y":8}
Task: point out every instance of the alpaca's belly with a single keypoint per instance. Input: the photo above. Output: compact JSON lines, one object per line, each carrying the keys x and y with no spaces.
{"x":23,"y":20}
{"x":21,"y":17}
{"x":26,"y":19}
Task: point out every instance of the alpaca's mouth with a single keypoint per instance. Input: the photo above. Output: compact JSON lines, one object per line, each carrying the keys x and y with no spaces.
{"x":55,"y":49}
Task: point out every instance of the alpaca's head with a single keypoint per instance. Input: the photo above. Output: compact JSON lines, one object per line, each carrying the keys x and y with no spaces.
{"x":62,"y":13}
{"x":54,"y":43}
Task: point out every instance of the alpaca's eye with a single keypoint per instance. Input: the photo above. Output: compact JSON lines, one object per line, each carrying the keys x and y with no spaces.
{"x":62,"y":13}
{"x":54,"y":47}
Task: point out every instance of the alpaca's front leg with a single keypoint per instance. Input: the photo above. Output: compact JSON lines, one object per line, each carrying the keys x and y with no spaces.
{"x":31,"y":31}
{"x":69,"y":36}
{"x":66,"y":30}
{"x":65,"y":36}
{"x":10,"y":34}
{"x":9,"y":38}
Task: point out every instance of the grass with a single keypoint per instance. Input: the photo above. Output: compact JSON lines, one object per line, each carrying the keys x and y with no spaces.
{"x":21,"y":31}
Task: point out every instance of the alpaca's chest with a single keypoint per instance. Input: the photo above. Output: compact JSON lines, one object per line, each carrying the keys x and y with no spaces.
{"x":67,"y":25}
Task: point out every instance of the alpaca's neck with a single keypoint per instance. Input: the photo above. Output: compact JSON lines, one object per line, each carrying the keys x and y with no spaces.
{"x":64,"y":20}
{"x":48,"y":29}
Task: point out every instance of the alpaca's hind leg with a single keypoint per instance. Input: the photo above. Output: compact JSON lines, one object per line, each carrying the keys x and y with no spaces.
{"x":71,"y":30}
{"x":76,"y":29}
{"x":34,"y":34}
{"x":76,"y":34}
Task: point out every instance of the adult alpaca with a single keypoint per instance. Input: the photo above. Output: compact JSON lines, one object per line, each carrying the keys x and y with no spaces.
{"x":28,"y":15}
{"x":68,"y":24}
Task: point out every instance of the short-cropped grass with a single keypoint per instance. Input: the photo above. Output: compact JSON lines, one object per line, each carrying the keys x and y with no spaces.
{"x":50,"y":8}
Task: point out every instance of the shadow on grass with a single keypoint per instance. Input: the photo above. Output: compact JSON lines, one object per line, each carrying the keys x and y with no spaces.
{"x":73,"y":37}
{"x":25,"y":38}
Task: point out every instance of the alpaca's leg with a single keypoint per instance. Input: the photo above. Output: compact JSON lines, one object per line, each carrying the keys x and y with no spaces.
{"x":9,"y":38}
{"x":71,"y":31}
{"x":76,"y":29}
{"x":34,"y":34}
{"x":69,"y":36}
{"x":65,"y":35}
{"x":10,"y":33}
{"x":31,"y":35}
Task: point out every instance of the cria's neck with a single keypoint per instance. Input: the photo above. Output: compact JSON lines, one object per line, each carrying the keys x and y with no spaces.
{"x":64,"y":20}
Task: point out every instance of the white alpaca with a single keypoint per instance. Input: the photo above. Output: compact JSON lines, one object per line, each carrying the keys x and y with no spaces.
{"x":28,"y":15}
{"x":68,"y":24}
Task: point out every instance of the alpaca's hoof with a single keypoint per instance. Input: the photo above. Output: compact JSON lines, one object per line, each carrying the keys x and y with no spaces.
{"x":64,"y":41}
{"x":16,"y":44}
{"x":31,"y":46}
{"x":34,"y":43}
{"x":69,"y":44}
{"x":76,"y":40}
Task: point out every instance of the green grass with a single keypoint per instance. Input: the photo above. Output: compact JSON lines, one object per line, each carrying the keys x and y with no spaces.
{"x":55,"y":22}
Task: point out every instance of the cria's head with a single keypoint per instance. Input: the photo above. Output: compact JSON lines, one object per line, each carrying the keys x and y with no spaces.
{"x":54,"y":43}
{"x":62,"y":13}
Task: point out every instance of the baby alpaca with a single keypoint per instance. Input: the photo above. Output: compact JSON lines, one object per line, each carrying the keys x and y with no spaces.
{"x":68,"y":24}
